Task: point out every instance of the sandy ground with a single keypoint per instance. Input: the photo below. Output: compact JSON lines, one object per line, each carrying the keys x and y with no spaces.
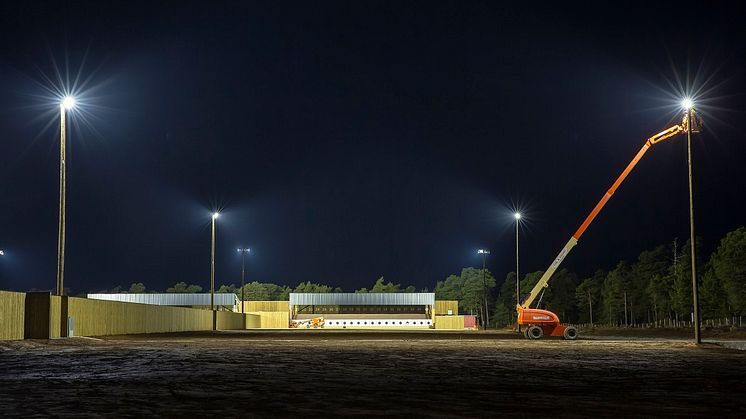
{"x":339,"y":373}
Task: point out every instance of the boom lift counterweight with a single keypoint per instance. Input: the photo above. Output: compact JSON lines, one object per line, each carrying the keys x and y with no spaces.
{"x":544,"y":322}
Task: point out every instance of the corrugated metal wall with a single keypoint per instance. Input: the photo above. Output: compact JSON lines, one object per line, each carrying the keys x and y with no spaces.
{"x":348,"y":298}
{"x":170,"y":299}
{"x":12,"y":309}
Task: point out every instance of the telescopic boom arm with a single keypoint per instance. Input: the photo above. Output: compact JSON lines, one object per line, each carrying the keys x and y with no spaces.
{"x":544,"y":281}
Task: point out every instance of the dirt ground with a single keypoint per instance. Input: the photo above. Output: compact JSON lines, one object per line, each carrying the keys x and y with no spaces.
{"x":343,"y":373}
{"x":715,"y":333}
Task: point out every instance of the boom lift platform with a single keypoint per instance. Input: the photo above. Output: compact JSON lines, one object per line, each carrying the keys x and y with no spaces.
{"x":544,"y":322}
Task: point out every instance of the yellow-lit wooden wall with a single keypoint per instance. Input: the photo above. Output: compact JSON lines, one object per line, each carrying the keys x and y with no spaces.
{"x":449,"y":322}
{"x":228,"y":320}
{"x":12,"y":309}
{"x":56,"y":322}
{"x":273,"y":319}
{"x":252,"y":306}
{"x":100,"y":318}
{"x":253,"y":321}
{"x":442,"y":307}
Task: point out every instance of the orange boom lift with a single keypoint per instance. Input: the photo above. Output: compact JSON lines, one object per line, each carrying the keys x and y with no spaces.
{"x":544,"y":322}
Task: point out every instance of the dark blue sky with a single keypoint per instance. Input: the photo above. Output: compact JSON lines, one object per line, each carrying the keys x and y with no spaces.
{"x":345,"y":141}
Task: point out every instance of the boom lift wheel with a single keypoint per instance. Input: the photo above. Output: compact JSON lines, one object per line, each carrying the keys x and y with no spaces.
{"x":534,"y":332}
{"x":570,"y":333}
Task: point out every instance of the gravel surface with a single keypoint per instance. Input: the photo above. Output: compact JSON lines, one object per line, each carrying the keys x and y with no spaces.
{"x":322,"y":373}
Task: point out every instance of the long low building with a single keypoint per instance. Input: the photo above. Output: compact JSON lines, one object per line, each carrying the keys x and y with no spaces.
{"x":371,"y":310}
{"x":224,"y":301}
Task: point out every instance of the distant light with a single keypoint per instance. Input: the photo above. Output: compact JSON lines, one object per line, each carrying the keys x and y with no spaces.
{"x":2,"y":252}
{"x":483,"y":252}
{"x":247,"y":250}
{"x":517,"y":215}
{"x":68,"y":102}
{"x":687,"y":103}
{"x":215,"y":215}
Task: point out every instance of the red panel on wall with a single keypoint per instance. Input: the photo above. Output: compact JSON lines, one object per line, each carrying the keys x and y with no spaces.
{"x":470,"y":321}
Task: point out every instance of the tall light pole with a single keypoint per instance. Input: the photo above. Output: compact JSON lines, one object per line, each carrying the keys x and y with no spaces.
{"x":517,"y":217}
{"x":212,"y":274}
{"x":243,"y":251}
{"x":689,"y":107}
{"x":67,"y":103}
{"x":484,"y":253}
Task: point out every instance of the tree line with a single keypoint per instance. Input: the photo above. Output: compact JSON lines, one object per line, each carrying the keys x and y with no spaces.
{"x":266,"y":291}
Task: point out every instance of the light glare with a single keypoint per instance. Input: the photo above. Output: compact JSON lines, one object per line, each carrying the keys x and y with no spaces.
{"x":687,"y":103}
{"x":517,"y":215}
{"x":215,"y":215}
{"x":68,"y":102}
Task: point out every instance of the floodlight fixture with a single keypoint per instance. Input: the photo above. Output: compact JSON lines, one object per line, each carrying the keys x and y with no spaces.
{"x":68,"y":102}
{"x":687,"y":103}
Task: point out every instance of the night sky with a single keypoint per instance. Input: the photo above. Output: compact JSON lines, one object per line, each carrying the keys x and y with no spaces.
{"x":347,"y":141}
